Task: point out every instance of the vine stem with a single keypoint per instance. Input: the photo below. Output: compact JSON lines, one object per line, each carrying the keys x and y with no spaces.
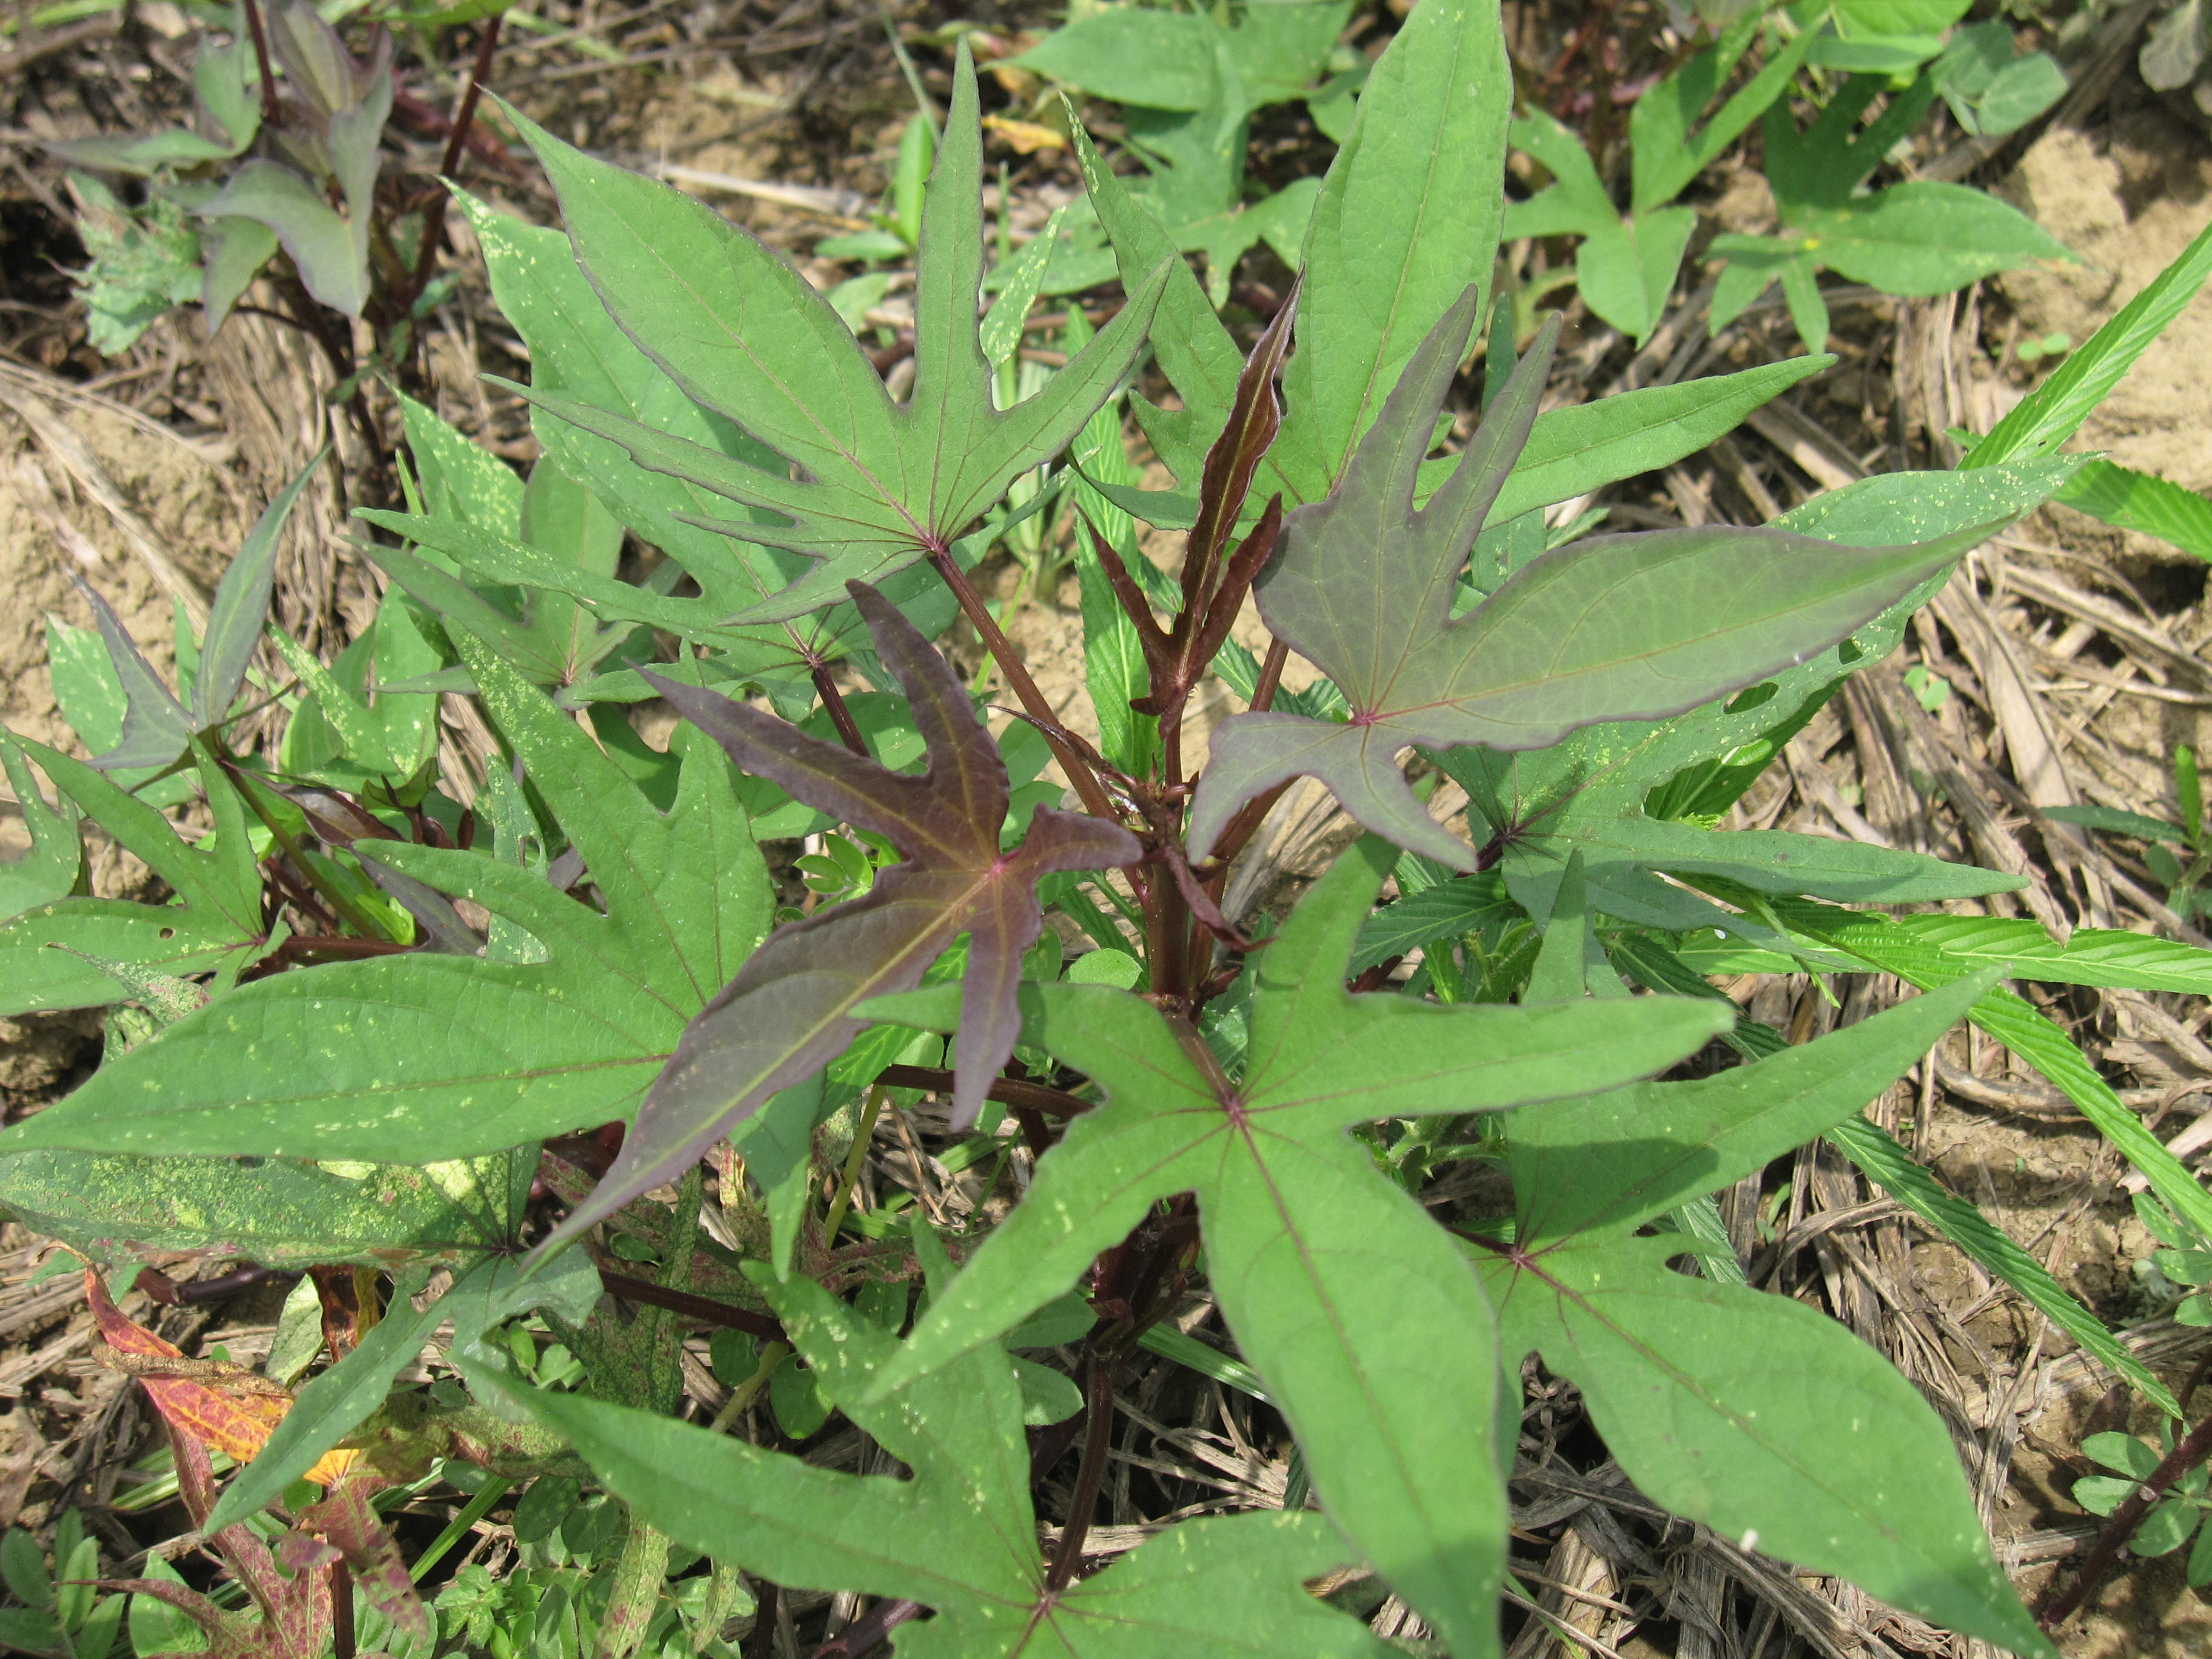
{"x":323,"y":886}
{"x":1006,"y":1090}
{"x":342,"y":1630}
{"x":1002,"y":651}
{"x":854,"y":1160}
{"x":270,"y":110}
{"x":705,"y":1309}
{"x":1098,"y":1440}
{"x":834,"y":700}
{"x":2195,"y":1446}
{"x":869,"y":1632}
{"x":749,"y":1390}
{"x":433,"y":217}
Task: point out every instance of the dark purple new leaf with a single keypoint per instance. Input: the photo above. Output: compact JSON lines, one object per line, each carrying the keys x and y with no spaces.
{"x":788,"y":1013}
{"x":1616,"y":627}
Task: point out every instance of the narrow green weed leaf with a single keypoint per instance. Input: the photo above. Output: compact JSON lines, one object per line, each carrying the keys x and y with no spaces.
{"x":1887,"y":1164}
{"x":1297,"y":1221}
{"x":2128,"y":500}
{"x":2120,"y":823}
{"x":1419,"y":919}
{"x":422,"y":1057}
{"x":2054,"y":411}
{"x":2105,"y":957}
{"x":747,"y":339}
{"x":789,"y":1012}
{"x":1230,"y":1585}
{"x":2022,"y":1028}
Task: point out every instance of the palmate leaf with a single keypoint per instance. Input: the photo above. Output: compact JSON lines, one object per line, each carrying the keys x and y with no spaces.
{"x":1227,"y":1585}
{"x":1749,"y":1412}
{"x":1887,"y":1164}
{"x":50,"y":869}
{"x":1596,"y":792}
{"x":1611,"y":629}
{"x":882,"y":485}
{"x":1390,"y":1395}
{"x":422,"y":1057}
{"x":48,"y":954}
{"x":579,"y":351}
{"x":789,"y":1012}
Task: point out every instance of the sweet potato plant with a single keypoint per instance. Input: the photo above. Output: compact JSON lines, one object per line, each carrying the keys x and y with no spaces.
{"x":510,"y":1053}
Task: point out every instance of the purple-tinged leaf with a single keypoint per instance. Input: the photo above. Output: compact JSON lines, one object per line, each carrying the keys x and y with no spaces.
{"x":241,"y":607}
{"x":788,"y":1013}
{"x":156,"y":727}
{"x":1618,"y":628}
